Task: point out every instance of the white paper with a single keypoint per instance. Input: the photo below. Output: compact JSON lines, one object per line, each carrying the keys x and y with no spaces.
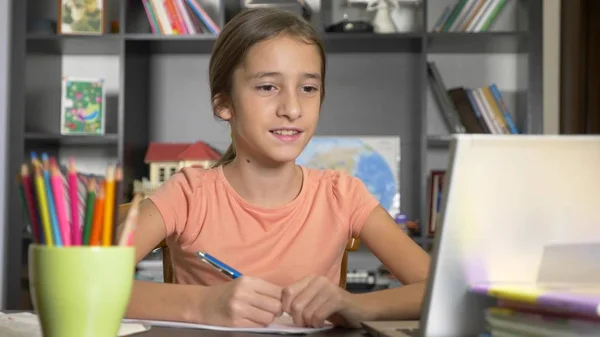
{"x":283,"y":325}
{"x":26,"y":324}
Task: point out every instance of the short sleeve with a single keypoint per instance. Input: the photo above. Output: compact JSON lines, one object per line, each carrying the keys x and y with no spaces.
{"x":355,"y":200}
{"x":173,"y":199}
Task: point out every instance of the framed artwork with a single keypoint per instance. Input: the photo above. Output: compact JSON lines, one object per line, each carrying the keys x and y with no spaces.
{"x":82,"y":106}
{"x":81,"y":17}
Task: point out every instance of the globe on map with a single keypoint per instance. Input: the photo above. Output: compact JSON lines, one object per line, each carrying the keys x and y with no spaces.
{"x":358,"y":159}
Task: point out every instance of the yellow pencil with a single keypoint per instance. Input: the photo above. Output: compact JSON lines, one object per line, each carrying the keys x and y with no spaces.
{"x":109,"y":201}
{"x":43,"y":203}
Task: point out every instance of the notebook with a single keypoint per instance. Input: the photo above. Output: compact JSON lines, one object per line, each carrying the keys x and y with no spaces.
{"x":25,"y":324}
{"x":575,"y":299}
{"x":283,"y":325}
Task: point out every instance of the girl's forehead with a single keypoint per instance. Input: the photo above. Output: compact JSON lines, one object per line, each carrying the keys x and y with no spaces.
{"x":283,"y":50}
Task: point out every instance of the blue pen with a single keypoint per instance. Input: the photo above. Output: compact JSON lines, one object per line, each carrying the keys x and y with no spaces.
{"x":218,"y":265}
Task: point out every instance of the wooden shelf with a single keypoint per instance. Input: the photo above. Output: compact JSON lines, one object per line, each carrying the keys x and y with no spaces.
{"x":484,"y":42}
{"x":170,"y":44}
{"x":54,"y":139}
{"x":109,"y":44}
{"x":334,"y":43}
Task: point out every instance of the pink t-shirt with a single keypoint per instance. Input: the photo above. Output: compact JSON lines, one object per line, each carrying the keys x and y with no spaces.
{"x":281,"y":245}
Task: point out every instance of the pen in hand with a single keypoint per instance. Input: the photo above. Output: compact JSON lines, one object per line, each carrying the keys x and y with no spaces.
{"x":218,"y":265}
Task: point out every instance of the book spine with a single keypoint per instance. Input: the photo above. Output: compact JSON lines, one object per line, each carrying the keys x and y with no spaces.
{"x":201,"y":13}
{"x":151,"y":18}
{"x":163,"y":18}
{"x":185,"y":16}
{"x":495,"y":12}
{"x":464,"y":13}
{"x":503,"y":108}
{"x":442,"y":19}
{"x":472,"y":15}
{"x":459,"y":5}
{"x":479,"y":16}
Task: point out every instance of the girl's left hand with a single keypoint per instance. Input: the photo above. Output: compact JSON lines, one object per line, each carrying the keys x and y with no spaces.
{"x":313,"y":300}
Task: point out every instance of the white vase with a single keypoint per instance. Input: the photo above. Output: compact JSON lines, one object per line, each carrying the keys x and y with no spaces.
{"x":382,"y":22}
{"x":405,"y":15}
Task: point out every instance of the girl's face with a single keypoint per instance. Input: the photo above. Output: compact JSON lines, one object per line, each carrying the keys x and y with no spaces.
{"x":275,"y":101}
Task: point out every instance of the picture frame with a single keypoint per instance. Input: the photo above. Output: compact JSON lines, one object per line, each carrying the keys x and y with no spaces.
{"x":85,"y":17}
{"x":83,"y":105}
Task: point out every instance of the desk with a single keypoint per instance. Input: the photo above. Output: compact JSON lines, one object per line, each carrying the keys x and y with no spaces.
{"x":157,"y":331}
{"x":178,"y":332}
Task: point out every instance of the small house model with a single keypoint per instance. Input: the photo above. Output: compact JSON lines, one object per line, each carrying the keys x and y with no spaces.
{"x":165,"y":159}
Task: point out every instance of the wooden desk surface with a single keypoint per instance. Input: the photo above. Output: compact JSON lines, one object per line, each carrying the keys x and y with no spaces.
{"x":178,"y":332}
{"x":157,"y":331}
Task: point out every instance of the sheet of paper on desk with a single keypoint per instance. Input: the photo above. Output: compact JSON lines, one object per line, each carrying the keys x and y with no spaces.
{"x":26,"y":324}
{"x":283,"y":325}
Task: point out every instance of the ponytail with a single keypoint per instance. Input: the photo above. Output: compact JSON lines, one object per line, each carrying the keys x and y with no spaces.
{"x":227,"y":157}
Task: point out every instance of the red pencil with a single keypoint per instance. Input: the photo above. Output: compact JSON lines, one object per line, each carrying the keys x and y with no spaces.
{"x":32,"y":211}
{"x":74,"y":207}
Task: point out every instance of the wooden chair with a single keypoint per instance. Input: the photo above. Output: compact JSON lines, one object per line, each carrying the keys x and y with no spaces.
{"x":352,"y":245}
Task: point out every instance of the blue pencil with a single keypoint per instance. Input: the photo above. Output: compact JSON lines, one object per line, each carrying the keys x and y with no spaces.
{"x":51,"y":207}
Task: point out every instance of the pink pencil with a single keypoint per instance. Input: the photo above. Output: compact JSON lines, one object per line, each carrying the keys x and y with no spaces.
{"x":74,"y":199}
{"x":60,"y":202}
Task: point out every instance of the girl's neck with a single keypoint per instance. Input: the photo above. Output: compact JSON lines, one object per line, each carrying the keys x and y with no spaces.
{"x":265,"y":187}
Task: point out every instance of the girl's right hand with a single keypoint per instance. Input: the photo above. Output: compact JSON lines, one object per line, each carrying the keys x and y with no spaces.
{"x":243,"y":302}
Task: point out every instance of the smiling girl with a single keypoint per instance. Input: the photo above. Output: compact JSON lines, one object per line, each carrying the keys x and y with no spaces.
{"x":283,"y":226}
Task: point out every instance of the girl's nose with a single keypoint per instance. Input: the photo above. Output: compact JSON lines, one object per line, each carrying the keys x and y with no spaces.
{"x":290,"y":106}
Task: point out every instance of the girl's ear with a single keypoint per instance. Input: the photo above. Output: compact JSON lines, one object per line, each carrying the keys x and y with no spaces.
{"x":222,"y":107}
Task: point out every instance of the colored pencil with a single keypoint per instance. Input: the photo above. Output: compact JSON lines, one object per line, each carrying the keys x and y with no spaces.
{"x":29,"y":203}
{"x":74,"y":204}
{"x":58,"y":216}
{"x":118,"y":200}
{"x":56,"y":179}
{"x":95,"y":237}
{"x":130,"y":222}
{"x":89,"y":211}
{"x":43,"y":204}
{"x":109,"y":203}
{"x":56,"y":234}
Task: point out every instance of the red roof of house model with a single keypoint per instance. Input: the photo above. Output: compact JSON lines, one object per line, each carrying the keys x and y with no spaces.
{"x":180,"y":151}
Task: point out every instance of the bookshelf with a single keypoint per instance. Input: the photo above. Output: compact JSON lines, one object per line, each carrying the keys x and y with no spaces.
{"x":157,"y":88}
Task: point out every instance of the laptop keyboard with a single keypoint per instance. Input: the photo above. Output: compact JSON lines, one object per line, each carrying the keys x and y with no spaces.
{"x":415,"y":332}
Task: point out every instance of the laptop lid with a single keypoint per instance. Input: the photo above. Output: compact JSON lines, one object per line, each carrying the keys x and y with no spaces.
{"x":506,"y":197}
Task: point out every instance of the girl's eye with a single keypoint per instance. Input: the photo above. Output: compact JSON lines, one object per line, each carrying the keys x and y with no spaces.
{"x":266,"y":87}
{"x":310,"y":89}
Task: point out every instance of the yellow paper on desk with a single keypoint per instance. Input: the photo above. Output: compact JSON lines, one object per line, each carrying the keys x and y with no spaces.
{"x":26,"y":324}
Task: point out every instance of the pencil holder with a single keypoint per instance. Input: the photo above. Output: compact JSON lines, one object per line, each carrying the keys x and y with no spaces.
{"x":81,"y":291}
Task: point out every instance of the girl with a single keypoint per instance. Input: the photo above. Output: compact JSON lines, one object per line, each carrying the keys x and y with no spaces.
{"x":284,"y":227}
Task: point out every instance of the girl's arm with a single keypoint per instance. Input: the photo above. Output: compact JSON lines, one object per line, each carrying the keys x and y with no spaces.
{"x":245,"y":301}
{"x":404,"y":259}
{"x":153,"y":300}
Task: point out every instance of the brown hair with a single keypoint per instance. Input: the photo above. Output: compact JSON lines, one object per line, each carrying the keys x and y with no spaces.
{"x":246,"y":29}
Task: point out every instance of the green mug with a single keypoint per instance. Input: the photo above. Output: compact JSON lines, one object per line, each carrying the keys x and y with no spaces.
{"x":81,"y":291}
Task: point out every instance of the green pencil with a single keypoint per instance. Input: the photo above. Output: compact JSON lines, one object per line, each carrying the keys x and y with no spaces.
{"x":89,"y":212}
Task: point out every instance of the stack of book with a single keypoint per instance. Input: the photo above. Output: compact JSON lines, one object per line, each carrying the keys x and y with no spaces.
{"x":179,"y":17}
{"x":469,"y":16}
{"x":534,"y":310}
{"x":471,"y":110}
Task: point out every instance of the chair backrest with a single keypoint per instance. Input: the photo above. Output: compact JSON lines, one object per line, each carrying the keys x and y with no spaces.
{"x":352,"y":245}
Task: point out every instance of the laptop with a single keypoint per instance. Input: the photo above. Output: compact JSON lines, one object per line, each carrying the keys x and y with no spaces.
{"x":537,"y":189}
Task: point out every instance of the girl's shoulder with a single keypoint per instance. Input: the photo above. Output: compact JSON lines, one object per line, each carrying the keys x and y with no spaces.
{"x":189,"y":179}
